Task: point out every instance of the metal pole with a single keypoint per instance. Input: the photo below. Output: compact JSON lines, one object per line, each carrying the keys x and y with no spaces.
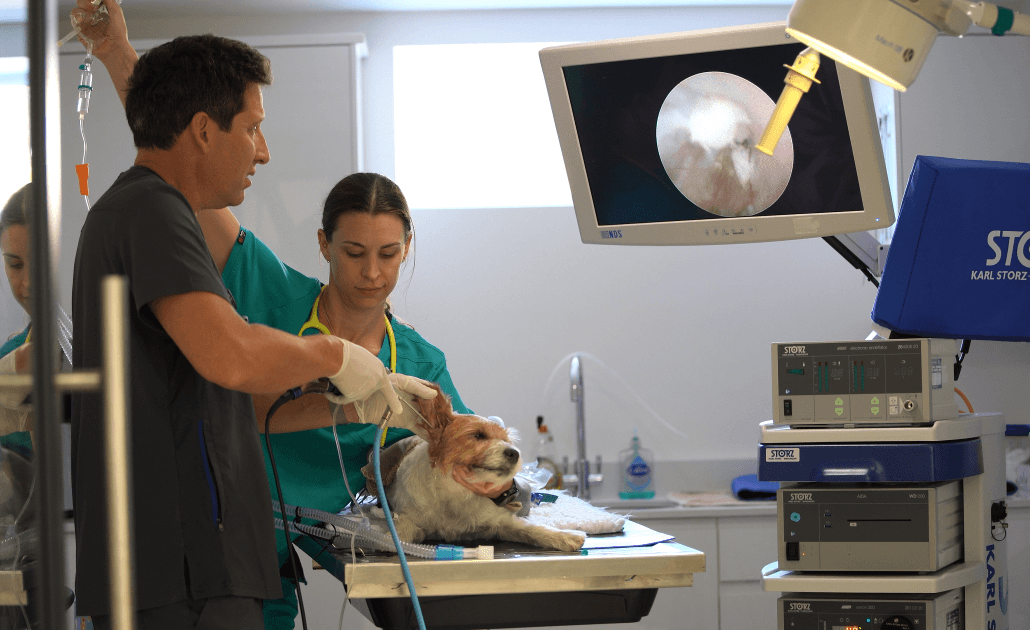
{"x":582,"y":463}
{"x":81,"y":381}
{"x":117,"y":451}
{"x":44,"y":134}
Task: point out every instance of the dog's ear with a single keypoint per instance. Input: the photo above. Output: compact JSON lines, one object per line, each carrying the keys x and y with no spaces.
{"x":436,"y":411}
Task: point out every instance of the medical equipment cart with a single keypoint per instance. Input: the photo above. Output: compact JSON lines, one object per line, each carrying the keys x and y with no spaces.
{"x":968,"y":448}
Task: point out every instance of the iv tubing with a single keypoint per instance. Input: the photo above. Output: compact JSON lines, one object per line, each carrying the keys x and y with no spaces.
{"x":82,"y":132}
{"x":85,"y":89}
{"x":66,"y":38}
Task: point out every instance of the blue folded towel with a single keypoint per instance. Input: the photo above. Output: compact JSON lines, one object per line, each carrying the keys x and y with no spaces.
{"x":749,"y":488}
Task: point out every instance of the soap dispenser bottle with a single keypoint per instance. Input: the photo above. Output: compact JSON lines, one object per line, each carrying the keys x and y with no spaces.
{"x":545,"y":457}
{"x":637,"y":466}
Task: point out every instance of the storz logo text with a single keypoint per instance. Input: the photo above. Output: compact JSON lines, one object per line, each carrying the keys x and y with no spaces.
{"x":794,"y":350}
{"x":800,"y":606}
{"x":800,"y":496}
{"x":611,"y":233}
{"x":782,"y":455}
{"x":1017,"y":247}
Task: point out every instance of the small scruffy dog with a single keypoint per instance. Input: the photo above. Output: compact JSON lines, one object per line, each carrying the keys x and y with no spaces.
{"x":427,"y":503}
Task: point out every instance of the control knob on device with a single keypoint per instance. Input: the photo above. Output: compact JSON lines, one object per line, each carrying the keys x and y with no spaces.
{"x":897,"y":622}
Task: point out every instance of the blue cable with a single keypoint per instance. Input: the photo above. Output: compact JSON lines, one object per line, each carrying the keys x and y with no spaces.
{"x":393,"y":530}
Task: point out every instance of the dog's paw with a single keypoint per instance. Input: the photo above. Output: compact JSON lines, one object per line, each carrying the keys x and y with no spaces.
{"x":569,"y":540}
{"x":407,"y":530}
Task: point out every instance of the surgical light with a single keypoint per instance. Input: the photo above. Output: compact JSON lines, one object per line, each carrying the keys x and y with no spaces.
{"x":888,"y":40}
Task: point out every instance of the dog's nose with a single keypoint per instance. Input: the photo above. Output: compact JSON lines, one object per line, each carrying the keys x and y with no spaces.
{"x":511,"y":454}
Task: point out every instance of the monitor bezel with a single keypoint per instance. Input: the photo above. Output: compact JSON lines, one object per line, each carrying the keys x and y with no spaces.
{"x":878,"y":208}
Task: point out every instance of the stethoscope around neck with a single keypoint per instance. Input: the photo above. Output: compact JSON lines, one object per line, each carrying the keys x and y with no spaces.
{"x":322,"y":328}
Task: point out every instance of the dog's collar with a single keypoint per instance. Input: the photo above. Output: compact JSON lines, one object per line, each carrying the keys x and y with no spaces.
{"x":505,"y":497}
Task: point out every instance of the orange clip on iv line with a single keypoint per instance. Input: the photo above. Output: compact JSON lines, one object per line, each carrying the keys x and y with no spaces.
{"x":82,"y":170}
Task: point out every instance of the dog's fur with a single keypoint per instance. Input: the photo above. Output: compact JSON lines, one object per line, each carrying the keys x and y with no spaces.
{"x":426,"y":501}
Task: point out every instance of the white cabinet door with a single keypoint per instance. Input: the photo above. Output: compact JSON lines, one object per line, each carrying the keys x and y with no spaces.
{"x":745,"y":546}
{"x":681,"y":607}
{"x":694,"y":606}
{"x":746,"y":605}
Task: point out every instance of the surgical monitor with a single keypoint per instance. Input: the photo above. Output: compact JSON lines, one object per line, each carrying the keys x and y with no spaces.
{"x":658,"y":135}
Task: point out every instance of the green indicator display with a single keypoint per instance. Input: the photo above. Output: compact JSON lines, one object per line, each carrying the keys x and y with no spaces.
{"x":796,"y":371}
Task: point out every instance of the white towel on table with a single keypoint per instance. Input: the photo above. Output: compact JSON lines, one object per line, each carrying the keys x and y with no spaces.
{"x":569,"y":512}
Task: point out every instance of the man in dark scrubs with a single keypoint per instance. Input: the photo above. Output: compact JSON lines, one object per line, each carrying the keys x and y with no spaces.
{"x":204,"y":547}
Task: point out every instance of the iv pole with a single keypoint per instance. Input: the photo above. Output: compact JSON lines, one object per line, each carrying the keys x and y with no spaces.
{"x":47,"y":383}
{"x":45,"y":139}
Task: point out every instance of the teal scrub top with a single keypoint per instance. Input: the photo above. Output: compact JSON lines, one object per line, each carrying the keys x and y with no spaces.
{"x":14,"y":342}
{"x":271,"y":293}
{"x":20,"y":441}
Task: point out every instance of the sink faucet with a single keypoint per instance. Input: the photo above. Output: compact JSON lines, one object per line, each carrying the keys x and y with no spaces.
{"x":582,"y":463}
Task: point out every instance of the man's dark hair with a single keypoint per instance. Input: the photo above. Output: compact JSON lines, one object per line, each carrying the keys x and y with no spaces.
{"x":199,"y":73}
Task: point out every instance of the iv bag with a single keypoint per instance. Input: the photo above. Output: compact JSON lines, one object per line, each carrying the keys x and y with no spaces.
{"x":91,"y":27}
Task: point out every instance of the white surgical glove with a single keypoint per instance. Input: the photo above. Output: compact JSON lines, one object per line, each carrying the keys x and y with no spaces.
{"x":361,"y":375}
{"x":409,"y":388}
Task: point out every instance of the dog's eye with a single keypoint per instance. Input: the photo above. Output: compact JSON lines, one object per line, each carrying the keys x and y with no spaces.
{"x":480,"y":435}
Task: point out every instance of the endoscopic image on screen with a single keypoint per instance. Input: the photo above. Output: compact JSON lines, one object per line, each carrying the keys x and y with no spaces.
{"x":673,"y":138}
{"x":706,"y":134}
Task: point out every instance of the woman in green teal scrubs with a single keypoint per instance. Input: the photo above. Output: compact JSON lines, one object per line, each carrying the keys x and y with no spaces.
{"x":365,"y":237}
{"x":16,"y":417}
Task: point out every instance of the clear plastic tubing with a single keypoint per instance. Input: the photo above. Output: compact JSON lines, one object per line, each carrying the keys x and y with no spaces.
{"x":363,"y":531}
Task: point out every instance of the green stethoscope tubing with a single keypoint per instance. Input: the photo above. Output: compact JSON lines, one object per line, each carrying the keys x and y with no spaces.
{"x":322,"y":328}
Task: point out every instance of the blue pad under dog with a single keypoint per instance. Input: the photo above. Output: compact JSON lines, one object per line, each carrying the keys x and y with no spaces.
{"x":959,"y":262}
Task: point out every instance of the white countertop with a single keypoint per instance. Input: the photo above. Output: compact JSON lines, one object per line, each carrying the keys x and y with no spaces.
{"x":691,"y":505}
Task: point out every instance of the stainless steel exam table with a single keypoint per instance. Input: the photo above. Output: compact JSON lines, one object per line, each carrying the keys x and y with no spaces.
{"x":614,"y":580}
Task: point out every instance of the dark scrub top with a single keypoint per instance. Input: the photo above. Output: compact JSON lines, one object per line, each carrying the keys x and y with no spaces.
{"x":201,"y":505}
{"x":272,"y":293}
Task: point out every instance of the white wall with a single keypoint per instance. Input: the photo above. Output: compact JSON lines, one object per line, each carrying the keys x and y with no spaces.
{"x":509,"y":293}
